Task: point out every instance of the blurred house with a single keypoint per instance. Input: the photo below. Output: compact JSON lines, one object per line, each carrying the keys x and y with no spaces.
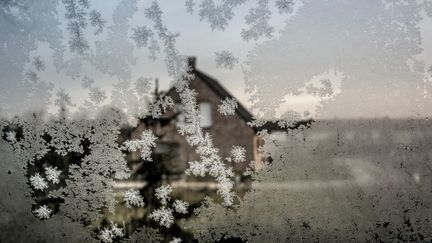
{"x":226,"y":131}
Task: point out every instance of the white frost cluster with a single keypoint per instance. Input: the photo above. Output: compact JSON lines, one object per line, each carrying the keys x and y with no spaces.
{"x":196,"y":168}
{"x":225,"y":59}
{"x":163,"y":194}
{"x":181,"y":206}
{"x":108,"y":234}
{"x":145,"y":144}
{"x":289,"y":118}
{"x":38,"y":182}
{"x":238,"y":154}
{"x":52,"y":174}
{"x":160,"y":105}
{"x":164,"y":216}
{"x":258,"y":21}
{"x":175,"y":240}
{"x":43,"y":212}
{"x":133,"y":197}
{"x":11,"y":137}
{"x":228,"y":106}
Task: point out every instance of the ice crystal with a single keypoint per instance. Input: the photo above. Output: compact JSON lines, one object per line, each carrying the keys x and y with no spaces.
{"x":76,"y":14}
{"x":175,"y":240}
{"x":284,"y":6}
{"x":238,"y":154}
{"x":145,"y":145}
{"x":97,"y":21}
{"x":38,"y":63}
{"x":11,"y":137}
{"x":43,"y":212}
{"x":225,"y":59}
{"x":32,"y":76}
{"x":141,"y":36}
{"x":38,"y":182}
{"x":196,"y":168}
{"x":164,"y":216}
{"x":218,"y":15}
{"x":52,"y":174}
{"x":258,"y":19}
{"x":163,"y":194}
{"x":228,"y":106}
{"x":180,"y":206}
{"x":133,"y":197}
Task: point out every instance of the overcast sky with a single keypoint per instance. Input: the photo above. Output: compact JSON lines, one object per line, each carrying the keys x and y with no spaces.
{"x":197,"y":39}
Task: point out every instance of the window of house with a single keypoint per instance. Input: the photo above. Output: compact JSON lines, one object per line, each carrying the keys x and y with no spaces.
{"x":205,"y":114}
{"x":180,"y":118}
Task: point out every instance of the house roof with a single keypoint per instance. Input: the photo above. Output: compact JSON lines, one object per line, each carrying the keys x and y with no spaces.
{"x":241,"y":110}
{"x":223,"y":93}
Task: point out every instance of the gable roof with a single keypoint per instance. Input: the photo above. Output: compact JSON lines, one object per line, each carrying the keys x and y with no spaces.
{"x":214,"y":85}
{"x":223,"y":93}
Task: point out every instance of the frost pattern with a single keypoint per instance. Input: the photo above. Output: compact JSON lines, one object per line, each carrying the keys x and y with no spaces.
{"x":238,"y":154}
{"x":284,"y":6}
{"x":52,"y":174}
{"x":218,"y":15}
{"x":163,"y":194}
{"x":76,"y":12}
{"x":141,"y":36}
{"x":225,"y":59}
{"x":97,"y":21}
{"x":189,"y":5}
{"x":228,"y":107}
{"x":181,"y":206}
{"x":258,"y":19}
{"x":108,"y":234}
{"x":38,"y":64}
{"x":38,"y":182}
{"x":145,"y":145}
{"x":133,"y":197}
{"x":164,"y":216}
{"x":43,"y":212}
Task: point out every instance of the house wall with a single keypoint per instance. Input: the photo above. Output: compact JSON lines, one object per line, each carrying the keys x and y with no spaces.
{"x":226,"y":130}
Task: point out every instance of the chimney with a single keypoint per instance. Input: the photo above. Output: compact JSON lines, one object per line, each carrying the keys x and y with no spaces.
{"x":191,"y":62}
{"x":156,"y":87}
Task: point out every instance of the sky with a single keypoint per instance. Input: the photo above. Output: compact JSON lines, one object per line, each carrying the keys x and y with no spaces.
{"x":197,"y":39}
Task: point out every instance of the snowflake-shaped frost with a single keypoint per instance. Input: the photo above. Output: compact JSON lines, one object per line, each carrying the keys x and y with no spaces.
{"x":141,"y":35}
{"x":225,"y":59}
{"x":43,"y":212}
{"x":108,"y":234}
{"x":145,"y":144}
{"x":163,"y":194}
{"x":52,"y":174}
{"x":181,"y":206}
{"x":133,"y":197}
{"x":238,"y":154}
{"x":164,"y":216}
{"x":97,"y":21}
{"x":228,"y":107}
{"x":11,"y":136}
{"x":38,"y":182}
